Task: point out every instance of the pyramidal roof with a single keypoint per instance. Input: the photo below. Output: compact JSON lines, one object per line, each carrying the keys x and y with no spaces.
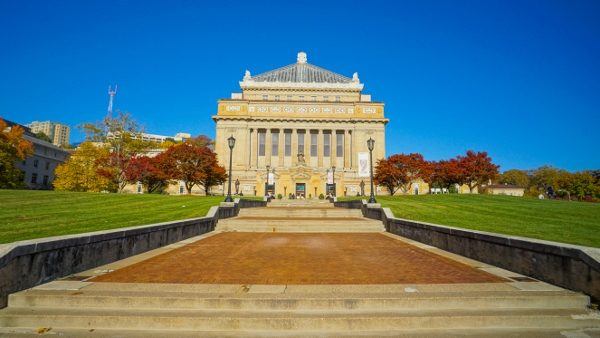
{"x":301,"y":75}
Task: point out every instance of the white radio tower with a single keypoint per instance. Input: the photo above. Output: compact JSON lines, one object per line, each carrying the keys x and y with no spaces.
{"x":111,"y":96}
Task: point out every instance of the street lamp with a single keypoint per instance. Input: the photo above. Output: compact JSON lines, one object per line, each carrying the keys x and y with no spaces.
{"x":333,"y":180}
{"x":371,"y":146}
{"x":267,"y":180}
{"x":231,"y":142}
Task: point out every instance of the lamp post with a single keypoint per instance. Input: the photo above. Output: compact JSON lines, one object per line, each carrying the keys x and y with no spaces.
{"x":333,"y":180}
{"x":371,"y":146}
{"x":267,"y":180}
{"x":231,"y":143}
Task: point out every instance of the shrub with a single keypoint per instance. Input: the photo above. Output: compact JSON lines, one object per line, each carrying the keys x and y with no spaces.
{"x":279,"y":196}
{"x":321,"y":196}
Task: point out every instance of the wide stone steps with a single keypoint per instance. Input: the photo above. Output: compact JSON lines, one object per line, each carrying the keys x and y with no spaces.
{"x":295,"y":225}
{"x":177,"y":313}
{"x":275,"y":320}
{"x":257,"y":302}
{"x":299,"y":212}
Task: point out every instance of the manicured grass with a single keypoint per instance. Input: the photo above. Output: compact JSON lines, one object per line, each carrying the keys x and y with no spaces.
{"x":28,"y":214}
{"x":560,"y":221}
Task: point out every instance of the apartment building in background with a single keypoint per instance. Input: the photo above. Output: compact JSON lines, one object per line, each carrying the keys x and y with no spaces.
{"x":58,"y":133}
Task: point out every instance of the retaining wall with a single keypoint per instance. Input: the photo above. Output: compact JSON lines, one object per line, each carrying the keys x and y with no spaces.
{"x":570,"y":266}
{"x":25,"y":264}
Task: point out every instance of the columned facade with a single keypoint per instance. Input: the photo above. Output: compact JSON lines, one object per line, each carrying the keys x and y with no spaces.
{"x":300,"y":121}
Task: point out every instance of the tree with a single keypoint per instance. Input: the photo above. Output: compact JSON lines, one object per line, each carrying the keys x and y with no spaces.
{"x":477,"y":169}
{"x":124,"y":137}
{"x":42,"y":136}
{"x":515,"y":177}
{"x":399,"y":171}
{"x":443,"y":174}
{"x":13,"y":148}
{"x":80,"y":171}
{"x":193,"y":165}
{"x":545,"y":179}
{"x":148,"y":171}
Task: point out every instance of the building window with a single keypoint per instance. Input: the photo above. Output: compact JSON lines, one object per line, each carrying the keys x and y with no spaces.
{"x":181,"y":188}
{"x":45,"y":182}
{"x":301,"y":97}
{"x":337,"y":99}
{"x":34,"y":178}
{"x":326,"y":98}
{"x":275,"y":143}
{"x":289,"y":97}
{"x":288,"y":144}
{"x":265,"y":97}
{"x":314,"y":98}
{"x":276,"y":97}
{"x":261,"y":143}
{"x":313,"y":144}
{"x":47,"y":165}
{"x":35,"y":163}
{"x":326,"y":145}
{"x":140,"y":188}
{"x":301,"y":143}
{"x":339,"y":145}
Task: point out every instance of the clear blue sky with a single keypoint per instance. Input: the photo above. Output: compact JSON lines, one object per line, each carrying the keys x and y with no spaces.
{"x":519,"y":79}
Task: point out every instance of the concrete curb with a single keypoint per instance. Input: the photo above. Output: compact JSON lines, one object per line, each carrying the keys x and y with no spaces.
{"x":25,"y":264}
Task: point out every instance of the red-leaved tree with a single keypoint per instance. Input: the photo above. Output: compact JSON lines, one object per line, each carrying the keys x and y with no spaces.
{"x":443,"y":174}
{"x":477,"y":168}
{"x":193,"y":165}
{"x":148,"y":171}
{"x":399,"y":171}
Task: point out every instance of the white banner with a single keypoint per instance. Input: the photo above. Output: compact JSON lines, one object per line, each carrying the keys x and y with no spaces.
{"x":329,"y":177}
{"x":363,"y":165}
{"x":271,"y":179}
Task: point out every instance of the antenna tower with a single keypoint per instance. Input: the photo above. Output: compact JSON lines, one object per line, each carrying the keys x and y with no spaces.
{"x":111,"y":97}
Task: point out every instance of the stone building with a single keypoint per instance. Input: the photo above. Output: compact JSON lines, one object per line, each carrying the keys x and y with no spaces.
{"x":305,"y":125}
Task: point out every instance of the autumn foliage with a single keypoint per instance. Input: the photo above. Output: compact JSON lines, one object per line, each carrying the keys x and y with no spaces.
{"x":13,"y":147}
{"x":399,"y":171}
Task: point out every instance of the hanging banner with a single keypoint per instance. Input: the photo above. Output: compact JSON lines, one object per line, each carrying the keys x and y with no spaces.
{"x":271,"y":179}
{"x":329,"y":177}
{"x":363,"y":165}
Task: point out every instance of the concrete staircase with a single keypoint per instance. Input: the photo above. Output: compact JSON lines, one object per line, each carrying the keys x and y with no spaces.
{"x":300,"y":216}
{"x":108,"y":309}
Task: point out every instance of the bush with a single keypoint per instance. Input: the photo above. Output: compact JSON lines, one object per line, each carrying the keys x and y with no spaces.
{"x":321,"y":196}
{"x":279,"y":196}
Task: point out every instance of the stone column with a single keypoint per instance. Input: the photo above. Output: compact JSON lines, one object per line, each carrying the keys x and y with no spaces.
{"x":268,"y":146}
{"x":307,"y":144}
{"x":332,"y":148}
{"x":347,"y":152}
{"x":281,"y":147}
{"x":294,"y":153}
{"x":320,"y":148}
{"x":250,"y":147}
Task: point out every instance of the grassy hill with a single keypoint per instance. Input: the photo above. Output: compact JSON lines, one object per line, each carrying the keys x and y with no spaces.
{"x":561,"y":221}
{"x":26,"y":214}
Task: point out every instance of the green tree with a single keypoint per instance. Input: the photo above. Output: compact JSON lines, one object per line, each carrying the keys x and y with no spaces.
{"x":124,"y":137}
{"x":42,"y":136}
{"x":545,"y":177}
{"x":13,"y":148}
{"x":80,"y":171}
{"x":515,"y":177}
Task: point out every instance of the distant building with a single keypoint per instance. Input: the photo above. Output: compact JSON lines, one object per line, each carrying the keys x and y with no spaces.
{"x":505,"y":189}
{"x":58,"y":133}
{"x":39,"y":167}
{"x":179,"y":137}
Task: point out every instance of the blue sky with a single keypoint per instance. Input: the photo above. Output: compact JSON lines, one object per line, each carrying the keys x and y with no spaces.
{"x":519,"y":79}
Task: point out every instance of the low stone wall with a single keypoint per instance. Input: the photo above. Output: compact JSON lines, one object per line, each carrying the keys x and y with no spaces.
{"x":351,"y":204}
{"x":569,"y":266}
{"x":26,"y":264}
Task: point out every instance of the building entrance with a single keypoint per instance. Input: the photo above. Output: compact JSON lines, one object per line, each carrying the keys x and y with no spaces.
{"x":301,"y":190}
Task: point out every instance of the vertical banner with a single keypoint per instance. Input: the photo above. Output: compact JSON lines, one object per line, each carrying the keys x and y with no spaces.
{"x":329,"y":177}
{"x":363,"y":165}
{"x":271,"y":179}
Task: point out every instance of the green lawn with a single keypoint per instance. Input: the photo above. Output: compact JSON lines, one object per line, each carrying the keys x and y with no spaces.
{"x":26,"y":214}
{"x":561,"y":221}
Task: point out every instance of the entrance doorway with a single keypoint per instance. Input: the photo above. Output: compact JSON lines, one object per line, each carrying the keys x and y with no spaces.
{"x":301,"y":190}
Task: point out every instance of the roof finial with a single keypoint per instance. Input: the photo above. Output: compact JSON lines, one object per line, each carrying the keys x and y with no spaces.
{"x":301,"y":57}
{"x":247,"y":75}
{"x":355,"y":78}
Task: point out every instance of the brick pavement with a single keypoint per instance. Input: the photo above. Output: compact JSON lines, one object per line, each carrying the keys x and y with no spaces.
{"x":299,"y":258}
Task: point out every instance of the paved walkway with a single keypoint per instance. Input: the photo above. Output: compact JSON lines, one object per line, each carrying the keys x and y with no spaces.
{"x":299,"y":258}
